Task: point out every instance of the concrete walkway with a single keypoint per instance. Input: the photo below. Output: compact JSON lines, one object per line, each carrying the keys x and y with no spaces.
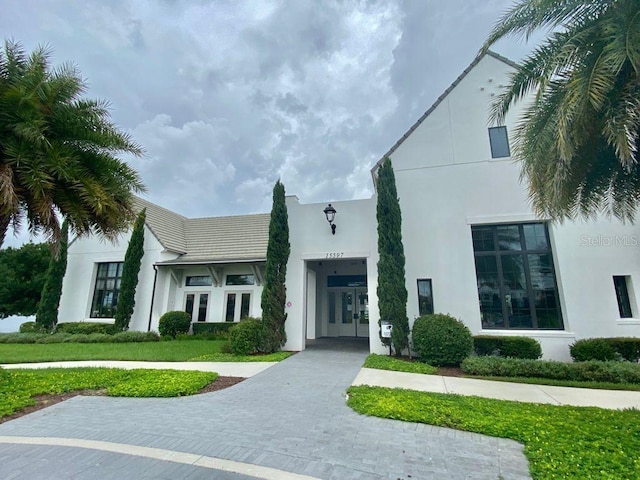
{"x":292,"y":418}
{"x":519,"y":392}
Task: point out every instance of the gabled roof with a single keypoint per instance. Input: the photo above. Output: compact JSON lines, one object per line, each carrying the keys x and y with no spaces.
{"x":208,"y":240}
{"x":167,"y":226}
{"x":438,"y":102}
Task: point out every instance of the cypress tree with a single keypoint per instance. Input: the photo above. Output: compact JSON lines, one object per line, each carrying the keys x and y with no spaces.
{"x":392,"y":290}
{"x":274,"y":291}
{"x":130,"y":270}
{"x":47,"y":313}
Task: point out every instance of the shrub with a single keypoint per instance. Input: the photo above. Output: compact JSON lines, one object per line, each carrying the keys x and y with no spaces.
{"x":32,"y":327}
{"x":173,"y":323}
{"x":84,"y":328}
{"x":441,"y":340}
{"x":21,"y":337}
{"x":514,"y":347}
{"x":133,"y":336}
{"x":247,"y":336}
{"x":627,"y":347}
{"x":592,"y":371}
{"x":217,"y":329}
{"x":593,"y":349}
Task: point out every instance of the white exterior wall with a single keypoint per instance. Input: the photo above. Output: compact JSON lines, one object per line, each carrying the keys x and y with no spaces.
{"x":312,"y":242}
{"x":83,"y":256}
{"x":447,"y":181}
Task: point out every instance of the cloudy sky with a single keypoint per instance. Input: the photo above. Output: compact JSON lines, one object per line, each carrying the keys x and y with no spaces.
{"x":228,"y":96}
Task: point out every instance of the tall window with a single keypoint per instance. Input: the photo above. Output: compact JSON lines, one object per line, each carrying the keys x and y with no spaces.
{"x":425,"y":296}
{"x":105,"y":295}
{"x":499,"y":141}
{"x":516,"y":278}
{"x":622,"y":295}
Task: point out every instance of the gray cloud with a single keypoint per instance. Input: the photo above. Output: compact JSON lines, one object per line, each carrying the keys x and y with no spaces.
{"x":226,"y":97}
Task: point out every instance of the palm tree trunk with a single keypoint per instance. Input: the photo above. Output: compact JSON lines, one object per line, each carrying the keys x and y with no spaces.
{"x":4,"y":226}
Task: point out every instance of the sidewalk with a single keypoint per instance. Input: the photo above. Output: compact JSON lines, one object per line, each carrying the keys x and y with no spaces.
{"x":519,"y":392}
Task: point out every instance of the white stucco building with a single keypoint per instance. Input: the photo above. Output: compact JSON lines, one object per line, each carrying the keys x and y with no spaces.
{"x":473,"y":246}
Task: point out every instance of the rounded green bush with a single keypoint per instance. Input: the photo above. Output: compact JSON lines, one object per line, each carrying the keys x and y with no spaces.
{"x":32,"y":327}
{"x":173,"y":323}
{"x":441,"y":340}
{"x":247,"y":336}
{"x":593,"y":349}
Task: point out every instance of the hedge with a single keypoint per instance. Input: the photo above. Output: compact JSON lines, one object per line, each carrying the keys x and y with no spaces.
{"x":217,"y":328}
{"x":592,"y":371}
{"x":620,"y":348}
{"x":122,"y":337}
{"x":514,"y":347}
{"x":248,"y":336}
{"x":86,"y":328}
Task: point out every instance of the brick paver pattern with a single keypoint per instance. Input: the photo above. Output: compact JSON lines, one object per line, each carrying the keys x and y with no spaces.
{"x":291,"y":417}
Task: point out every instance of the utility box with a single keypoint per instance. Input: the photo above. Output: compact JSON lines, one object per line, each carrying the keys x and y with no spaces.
{"x":386,"y":329}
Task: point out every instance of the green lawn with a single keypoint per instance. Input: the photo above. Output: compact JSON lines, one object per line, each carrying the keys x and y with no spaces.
{"x":19,"y":386}
{"x":385,"y":362}
{"x":170,"y":351}
{"x":561,"y":442}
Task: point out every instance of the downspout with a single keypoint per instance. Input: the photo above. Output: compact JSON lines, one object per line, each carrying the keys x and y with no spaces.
{"x":153,"y":296}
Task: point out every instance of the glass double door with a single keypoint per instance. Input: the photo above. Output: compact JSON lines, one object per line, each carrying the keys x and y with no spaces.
{"x":352,"y":312}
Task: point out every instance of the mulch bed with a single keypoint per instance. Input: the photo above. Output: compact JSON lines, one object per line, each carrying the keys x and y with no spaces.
{"x":450,"y":372}
{"x":44,"y":401}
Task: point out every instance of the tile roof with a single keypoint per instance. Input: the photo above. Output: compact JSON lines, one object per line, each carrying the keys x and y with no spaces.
{"x":208,"y":240}
{"x":438,"y":102}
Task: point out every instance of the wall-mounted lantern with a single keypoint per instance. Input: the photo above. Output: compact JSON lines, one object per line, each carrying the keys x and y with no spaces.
{"x":330,"y":213}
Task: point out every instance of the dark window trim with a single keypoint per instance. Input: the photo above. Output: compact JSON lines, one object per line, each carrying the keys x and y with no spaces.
{"x":493,"y":147}
{"x":524,"y":253}
{"x":99,"y":311}
{"x":622,"y":296}
{"x":430,"y":289}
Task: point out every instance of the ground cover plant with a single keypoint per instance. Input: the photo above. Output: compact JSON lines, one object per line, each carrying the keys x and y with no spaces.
{"x":20,"y":386}
{"x":230,"y":357}
{"x":559,"y":441}
{"x":170,"y":351}
{"x":384,"y":362}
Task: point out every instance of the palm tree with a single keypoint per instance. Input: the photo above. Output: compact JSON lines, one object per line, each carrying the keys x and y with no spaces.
{"x":578,"y":138}
{"x":57,"y":152}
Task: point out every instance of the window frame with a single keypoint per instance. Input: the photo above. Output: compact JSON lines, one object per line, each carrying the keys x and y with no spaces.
{"x":494,"y":147}
{"x":430,"y":283}
{"x":237,"y":275}
{"x":237,"y":305}
{"x":524,"y":252}
{"x":99,"y":312}
{"x":625,"y":309}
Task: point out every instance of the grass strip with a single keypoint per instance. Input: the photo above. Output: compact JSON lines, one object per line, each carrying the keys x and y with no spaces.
{"x":17,"y":387}
{"x":169,"y":351}
{"x":228,"y":357}
{"x":560,"y":442}
{"x":385,"y":362}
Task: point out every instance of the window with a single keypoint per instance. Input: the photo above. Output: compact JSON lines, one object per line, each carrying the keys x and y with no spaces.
{"x":195,"y":304}
{"x":516,"y":277}
{"x":622,"y":295}
{"x":199,"y":281}
{"x":105,"y":294}
{"x":240,"y":280}
{"x":425,"y":297}
{"x":231,"y":313}
{"x":499,"y":141}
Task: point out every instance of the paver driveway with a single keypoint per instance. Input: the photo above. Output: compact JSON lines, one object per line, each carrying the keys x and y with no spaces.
{"x":291,"y":417}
